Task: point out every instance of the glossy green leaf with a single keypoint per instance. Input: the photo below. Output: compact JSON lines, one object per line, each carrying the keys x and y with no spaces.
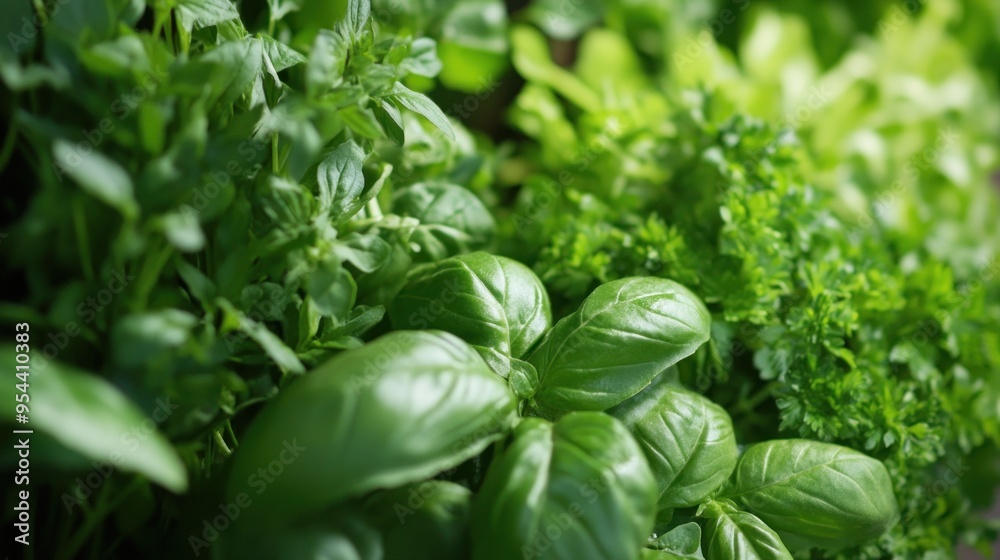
{"x":621,"y":337}
{"x":731,"y":534}
{"x":143,"y":338}
{"x":422,"y":58}
{"x":195,"y":14}
{"x":336,"y":536}
{"x":273,"y":346}
{"x":423,"y":521}
{"x":452,"y":219}
{"x":326,"y":63}
{"x":280,"y":8}
{"x":491,"y":302}
{"x":89,"y":415}
{"x":236,"y":64}
{"x":681,"y":542}
{"x":365,"y":251}
{"x":390,"y":119}
{"x":815,"y":494}
{"x":422,"y":105}
{"x":578,"y":489}
{"x":183,"y":231}
{"x":361,"y":121}
{"x":532,"y":60}
{"x":98,"y":175}
{"x":650,"y":554}
{"x":358,"y":15}
{"x":565,"y":24}
{"x":687,"y":439}
{"x":332,"y":289}
{"x":473,"y":45}
{"x":281,"y":55}
{"x":340,"y":179}
{"x":399,"y":409}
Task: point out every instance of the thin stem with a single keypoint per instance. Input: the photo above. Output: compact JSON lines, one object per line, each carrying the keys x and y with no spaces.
{"x":274,"y":153}
{"x":95,"y":544}
{"x":170,"y":32}
{"x":82,"y":241}
{"x":232,"y":434}
{"x":217,"y":436}
{"x":94,"y":520}
{"x":150,"y":273}
{"x":8,"y":143}
{"x":43,"y":16}
{"x":374,"y":210}
{"x":760,"y":396}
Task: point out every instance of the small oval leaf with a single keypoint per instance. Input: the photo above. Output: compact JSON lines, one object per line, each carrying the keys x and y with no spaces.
{"x":491,"y":302}
{"x":731,"y":534}
{"x":687,"y":439}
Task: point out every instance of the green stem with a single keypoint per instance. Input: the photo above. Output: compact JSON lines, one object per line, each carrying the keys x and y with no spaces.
{"x":274,"y":153}
{"x":157,"y":22}
{"x":232,"y":434}
{"x":760,"y":396}
{"x":149,"y":275}
{"x":170,"y":32}
{"x":8,"y":143}
{"x":95,"y":544}
{"x":82,"y":241}
{"x":94,"y":520}
{"x":374,"y":210}
{"x":43,"y":16}
{"x":217,"y":436}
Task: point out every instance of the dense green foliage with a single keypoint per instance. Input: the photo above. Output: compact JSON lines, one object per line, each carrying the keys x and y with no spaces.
{"x":467,"y":279}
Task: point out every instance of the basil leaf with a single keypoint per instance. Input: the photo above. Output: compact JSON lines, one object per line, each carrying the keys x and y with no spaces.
{"x":196,"y":14}
{"x":422,"y":105}
{"x":98,"y":175}
{"x":326,"y":63}
{"x":578,"y":489}
{"x":683,"y":541}
{"x":422,"y":59}
{"x":423,"y":521}
{"x":89,"y":415}
{"x":559,"y":23}
{"x":270,"y":343}
{"x":621,"y":337}
{"x":650,"y":554}
{"x":332,"y":289}
{"x":281,"y":55}
{"x":399,"y":409}
{"x":687,"y":439}
{"x":340,"y":179}
{"x":473,"y":45}
{"x":235,"y":66}
{"x":452,"y":219}
{"x":731,"y":534}
{"x":358,"y":15}
{"x":491,"y":302}
{"x":365,"y":251}
{"x":390,"y":119}
{"x":815,"y":494}
{"x":335,"y":536}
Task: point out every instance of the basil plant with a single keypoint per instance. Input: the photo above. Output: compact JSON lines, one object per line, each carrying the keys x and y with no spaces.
{"x":478,"y":429}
